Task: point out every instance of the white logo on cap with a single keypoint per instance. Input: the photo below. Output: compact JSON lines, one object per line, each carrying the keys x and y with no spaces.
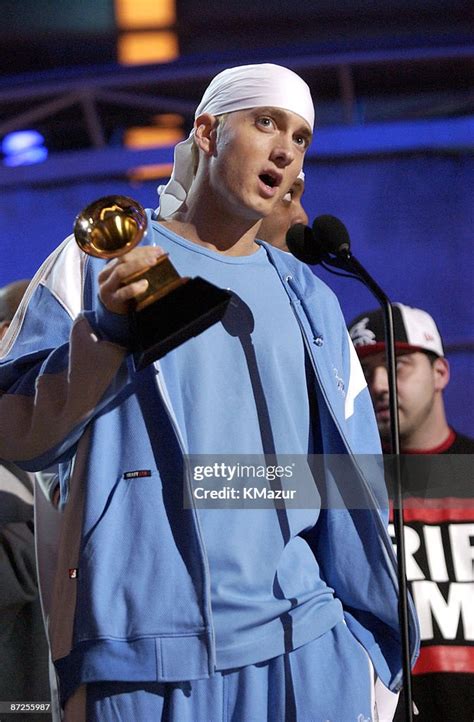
{"x":361,"y":335}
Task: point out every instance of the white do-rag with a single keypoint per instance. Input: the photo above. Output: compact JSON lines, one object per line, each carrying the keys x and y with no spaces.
{"x":240,"y":88}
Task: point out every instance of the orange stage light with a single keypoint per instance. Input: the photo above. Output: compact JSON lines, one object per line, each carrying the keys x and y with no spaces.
{"x":152,"y":137}
{"x":147,"y":47}
{"x":159,"y":171}
{"x":133,"y":14}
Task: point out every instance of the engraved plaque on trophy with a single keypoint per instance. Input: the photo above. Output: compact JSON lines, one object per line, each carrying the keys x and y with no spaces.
{"x":173,"y":308}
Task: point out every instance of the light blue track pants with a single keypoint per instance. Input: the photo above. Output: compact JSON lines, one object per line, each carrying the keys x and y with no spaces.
{"x":327,"y":680}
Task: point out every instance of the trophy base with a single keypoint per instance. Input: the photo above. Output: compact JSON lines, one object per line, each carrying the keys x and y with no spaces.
{"x":182,"y":313}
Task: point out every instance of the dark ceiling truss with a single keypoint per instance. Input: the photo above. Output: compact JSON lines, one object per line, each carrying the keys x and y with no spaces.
{"x":87,"y":99}
{"x":104,"y":94}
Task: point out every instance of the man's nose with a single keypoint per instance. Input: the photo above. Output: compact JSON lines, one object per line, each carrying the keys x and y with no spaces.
{"x":283,"y":153}
{"x":378,"y":383}
{"x":299,"y":215}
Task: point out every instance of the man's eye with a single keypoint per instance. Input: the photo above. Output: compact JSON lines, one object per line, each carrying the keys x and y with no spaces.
{"x":301,"y":140}
{"x":287,"y":198}
{"x":265,"y":121}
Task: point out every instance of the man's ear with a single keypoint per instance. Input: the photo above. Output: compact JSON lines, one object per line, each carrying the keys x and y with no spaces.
{"x":441,"y":373}
{"x":205,"y":132}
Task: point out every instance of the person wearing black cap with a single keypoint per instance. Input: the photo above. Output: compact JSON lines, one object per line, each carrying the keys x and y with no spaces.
{"x":422,"y":376}
{"x":440,"y":525}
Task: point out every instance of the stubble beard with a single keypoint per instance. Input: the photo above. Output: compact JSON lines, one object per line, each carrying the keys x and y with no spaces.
{"x":411,"y":425}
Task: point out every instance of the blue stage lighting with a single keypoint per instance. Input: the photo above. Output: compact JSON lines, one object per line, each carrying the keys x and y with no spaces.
{"x":23,"y":147}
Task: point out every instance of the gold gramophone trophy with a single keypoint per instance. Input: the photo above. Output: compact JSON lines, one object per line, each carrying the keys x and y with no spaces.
{"x":173,"y":308}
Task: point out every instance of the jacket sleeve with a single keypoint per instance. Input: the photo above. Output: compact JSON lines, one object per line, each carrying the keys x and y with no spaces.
{"x":60,"y":364}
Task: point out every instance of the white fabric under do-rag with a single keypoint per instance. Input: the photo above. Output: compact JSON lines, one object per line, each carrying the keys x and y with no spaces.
{"x":241,"y":88}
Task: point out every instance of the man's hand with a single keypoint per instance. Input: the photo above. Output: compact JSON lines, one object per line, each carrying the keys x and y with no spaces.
{"x":112,"y":293}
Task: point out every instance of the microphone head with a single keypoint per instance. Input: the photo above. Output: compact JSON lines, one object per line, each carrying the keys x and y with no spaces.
{"x":331,"y":234}
{"x":302,"y":244}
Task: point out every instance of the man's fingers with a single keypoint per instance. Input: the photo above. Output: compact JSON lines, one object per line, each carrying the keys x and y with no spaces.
{"x":130,"y":263}
{"x":114,"y":293}
{"x":130,"y":290}
{"x":107,"y":270}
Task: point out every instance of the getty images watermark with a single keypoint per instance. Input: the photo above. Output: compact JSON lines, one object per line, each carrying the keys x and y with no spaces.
{"x":324,"y":481}
{"x":255,"y":481}
{"x":233,"y":475}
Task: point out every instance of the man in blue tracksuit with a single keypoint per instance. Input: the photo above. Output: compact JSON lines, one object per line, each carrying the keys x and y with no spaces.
{"x":170,"y":611}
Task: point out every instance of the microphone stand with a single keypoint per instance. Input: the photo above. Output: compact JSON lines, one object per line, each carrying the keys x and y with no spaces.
{"x":346,"y":261}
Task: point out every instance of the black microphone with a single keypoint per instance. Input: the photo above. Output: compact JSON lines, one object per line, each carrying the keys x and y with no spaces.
{"x":327,"y":238}
{"x":331,"y":235}
{"x":301,"y":243}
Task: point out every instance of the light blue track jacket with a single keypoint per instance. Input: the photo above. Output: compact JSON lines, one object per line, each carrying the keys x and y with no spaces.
{"x":131,"y":597}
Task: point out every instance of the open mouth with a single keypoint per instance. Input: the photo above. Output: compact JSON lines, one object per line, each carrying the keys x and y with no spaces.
{"x":270,"y":179}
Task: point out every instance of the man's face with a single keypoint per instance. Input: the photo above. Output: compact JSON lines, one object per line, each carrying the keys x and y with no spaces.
{"x":257,"y":158}
{"x":286,"y":214}
{"x":417,"y":386}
